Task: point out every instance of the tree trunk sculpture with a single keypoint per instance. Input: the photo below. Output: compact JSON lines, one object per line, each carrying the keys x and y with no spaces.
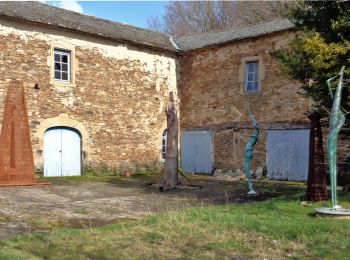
{"x":171,"y":165}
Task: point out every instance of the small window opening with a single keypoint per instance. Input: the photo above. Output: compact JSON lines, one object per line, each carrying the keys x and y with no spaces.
{"x":252,"y":76}
{"x":164,"y":140}
{"x":62,"y":65}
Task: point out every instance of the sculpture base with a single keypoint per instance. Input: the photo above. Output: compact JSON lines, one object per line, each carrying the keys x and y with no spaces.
{"x":251,"y":192}
{"x":23,"y":183}
{"x":21,"y":176}
{"x":330,"y":212}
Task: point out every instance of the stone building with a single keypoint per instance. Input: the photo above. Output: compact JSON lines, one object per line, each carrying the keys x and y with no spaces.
{"x":223,"y":75}
{"x":96,"y":90}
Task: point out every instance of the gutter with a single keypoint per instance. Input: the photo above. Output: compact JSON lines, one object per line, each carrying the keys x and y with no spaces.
{"x":174,"y":44}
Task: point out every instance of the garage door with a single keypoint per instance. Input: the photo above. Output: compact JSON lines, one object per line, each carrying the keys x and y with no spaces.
{"x":62,"y":152}
{"x":196,"y":151}
{"x":288,"y":154}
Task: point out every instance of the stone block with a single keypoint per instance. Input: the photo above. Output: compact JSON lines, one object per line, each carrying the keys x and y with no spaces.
{"x":259,"y":173}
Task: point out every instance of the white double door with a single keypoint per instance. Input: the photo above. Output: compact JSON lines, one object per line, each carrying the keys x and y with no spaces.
{"x":196,"y":151}
{"x":62,"y":153}
{"x":288,"y":154}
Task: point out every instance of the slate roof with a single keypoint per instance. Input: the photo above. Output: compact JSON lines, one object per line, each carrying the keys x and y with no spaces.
{"x":197,"y":41}
{"x":36,"y":12}
{"x":41,"y":13}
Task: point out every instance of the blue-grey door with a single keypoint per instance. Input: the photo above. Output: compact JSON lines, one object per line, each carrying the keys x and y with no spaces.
{"x":196,"y":151}
{"x":62,"y":152}
{"x":288,"y":154}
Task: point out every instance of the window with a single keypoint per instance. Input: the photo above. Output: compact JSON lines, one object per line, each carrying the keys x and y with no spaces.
{"x":252,"y":76}
{"x":62,"y":65}
{"x":164,"y":139}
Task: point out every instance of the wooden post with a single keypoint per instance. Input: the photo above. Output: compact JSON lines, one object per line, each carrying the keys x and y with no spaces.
{"x":316,"y":183}
{"x":171,"y":165}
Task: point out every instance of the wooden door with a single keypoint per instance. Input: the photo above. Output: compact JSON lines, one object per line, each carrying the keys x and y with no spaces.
{"x":196,"y":151}
{"x":288,"y":154}
{"x":62,"y":152}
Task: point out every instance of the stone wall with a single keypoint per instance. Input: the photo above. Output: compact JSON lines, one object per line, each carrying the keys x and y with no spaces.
{"x":213,"y":97}
{"x":229,"y":146}
{"x":116,"y":99}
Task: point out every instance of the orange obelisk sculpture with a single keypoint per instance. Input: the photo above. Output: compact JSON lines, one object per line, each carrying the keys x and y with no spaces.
{"x":16,"y":156}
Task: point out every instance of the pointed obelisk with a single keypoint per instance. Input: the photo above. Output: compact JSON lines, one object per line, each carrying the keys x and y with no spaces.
{"x":16,"y":156}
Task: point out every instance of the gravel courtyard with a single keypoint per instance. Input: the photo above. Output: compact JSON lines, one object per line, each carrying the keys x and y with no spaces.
{"x":83,"y":203}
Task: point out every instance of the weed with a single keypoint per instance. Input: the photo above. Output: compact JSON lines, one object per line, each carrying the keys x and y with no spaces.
{"x":81,"y":211}
{"x":276,"y":228}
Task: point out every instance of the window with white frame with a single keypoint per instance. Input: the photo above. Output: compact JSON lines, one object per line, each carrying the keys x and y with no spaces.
{"x":62,"y":65}
{"x":164,"y":140}
{"x":252,"y":76}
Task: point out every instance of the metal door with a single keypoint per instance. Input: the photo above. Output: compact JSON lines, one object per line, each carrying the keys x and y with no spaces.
{"x":196,"y":151}
{"x":288,"y":154}
{"x":62,"y":152}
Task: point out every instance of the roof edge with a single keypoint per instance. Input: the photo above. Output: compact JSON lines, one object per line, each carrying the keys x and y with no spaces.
{"x":209,"y":39}
{"x":63,"y":28}
{"x":213,"y":45}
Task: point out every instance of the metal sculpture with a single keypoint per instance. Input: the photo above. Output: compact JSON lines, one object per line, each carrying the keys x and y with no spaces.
{"x":337,"y":120}
{"x":16,"y":156}
{"x":249,"y":152}
{"x":316,"y":183}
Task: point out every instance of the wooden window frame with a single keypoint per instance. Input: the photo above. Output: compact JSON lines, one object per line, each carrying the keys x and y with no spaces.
{"x":255,"y":74}
{"x":63,"y":85}
{"x":62,"y":53}
{"x":243,"y":75}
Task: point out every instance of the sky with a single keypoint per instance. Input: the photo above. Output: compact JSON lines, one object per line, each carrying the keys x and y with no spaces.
{"x":131,"y":12}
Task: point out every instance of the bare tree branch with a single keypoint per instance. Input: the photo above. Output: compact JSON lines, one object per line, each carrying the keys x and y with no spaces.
{"x":188,"y":17}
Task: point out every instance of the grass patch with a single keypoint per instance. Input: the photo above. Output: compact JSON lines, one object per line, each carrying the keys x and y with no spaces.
{"x":101,"y":177}
{"x":276,"y":228}
{"x":81,"y":211}
{"x":4,"y":218}
{"x":79,"y":179}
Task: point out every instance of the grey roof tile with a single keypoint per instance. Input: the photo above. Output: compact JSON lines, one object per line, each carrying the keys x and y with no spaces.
{"x":42,"y":13}
{"x":197,"y":41}
{"x":37,"y":12}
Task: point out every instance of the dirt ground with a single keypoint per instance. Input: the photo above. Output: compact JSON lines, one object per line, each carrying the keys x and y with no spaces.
{"x":80,"y":202}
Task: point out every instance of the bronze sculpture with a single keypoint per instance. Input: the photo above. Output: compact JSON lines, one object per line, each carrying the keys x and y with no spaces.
{"x":249,"y":154}
{"x":337,"y":120}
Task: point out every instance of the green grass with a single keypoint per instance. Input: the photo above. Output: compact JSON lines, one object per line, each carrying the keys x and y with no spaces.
{"x":78,"y":179}
{"x":82,"y":211}
{"x":4,"y":218}
{"x":273,"y":229}
{"x":94,"y":178}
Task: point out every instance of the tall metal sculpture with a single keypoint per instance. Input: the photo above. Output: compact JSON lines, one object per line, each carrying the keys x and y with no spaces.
{"x":16,"y":156}
{"x":249,"y":152}
{"x":337,"y":120}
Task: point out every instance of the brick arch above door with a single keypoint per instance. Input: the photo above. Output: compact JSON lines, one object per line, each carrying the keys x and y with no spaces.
{"x":62,"y":120}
